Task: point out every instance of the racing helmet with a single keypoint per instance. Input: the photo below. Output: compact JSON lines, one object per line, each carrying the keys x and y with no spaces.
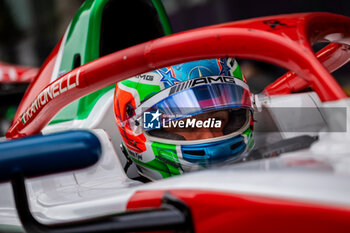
{"x":185,"y":117}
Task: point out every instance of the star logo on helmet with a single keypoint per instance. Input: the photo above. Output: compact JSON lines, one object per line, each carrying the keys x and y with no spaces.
{"x":168,"y":77}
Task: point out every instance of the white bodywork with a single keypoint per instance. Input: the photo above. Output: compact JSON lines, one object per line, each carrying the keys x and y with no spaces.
{"x":317,"y":175}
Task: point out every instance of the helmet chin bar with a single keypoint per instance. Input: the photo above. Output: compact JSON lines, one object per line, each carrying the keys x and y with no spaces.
{"x":211,"y":154}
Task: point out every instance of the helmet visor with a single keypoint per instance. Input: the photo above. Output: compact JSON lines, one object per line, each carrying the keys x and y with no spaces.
{"x":207,"y":125}
{"x":199,"y":100}
{"x":175,"y":103}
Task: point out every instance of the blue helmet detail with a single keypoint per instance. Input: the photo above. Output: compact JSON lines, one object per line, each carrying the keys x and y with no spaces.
{"x":214,"y":151}
{"x":225,"y":69}
{"x":190,"y":70}
{"x":168,"y":77}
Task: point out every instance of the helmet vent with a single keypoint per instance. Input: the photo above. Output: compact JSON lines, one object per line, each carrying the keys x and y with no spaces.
{"x":236,"y":145}
{"x":194,"y":152}
{"x":130,"y":110}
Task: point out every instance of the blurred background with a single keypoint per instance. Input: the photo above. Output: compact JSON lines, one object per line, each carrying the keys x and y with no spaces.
{"x":29,"y":29}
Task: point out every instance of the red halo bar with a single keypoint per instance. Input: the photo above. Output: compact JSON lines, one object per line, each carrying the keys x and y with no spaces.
{"x":282,"y":40}
{"x":333,"y":56}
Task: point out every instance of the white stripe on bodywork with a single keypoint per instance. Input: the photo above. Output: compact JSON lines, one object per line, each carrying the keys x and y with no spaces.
{"x":306,"y":185}
{"x":104,"y":188}
{"x":12,"y":74}
{"x":56,"y":68}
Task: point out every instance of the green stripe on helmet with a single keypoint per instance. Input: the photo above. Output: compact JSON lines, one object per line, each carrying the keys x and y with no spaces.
{"x":166,"y":161}
{"x":238,"y":73}
{"x":249,"y":134}
{"x":167,"y":154}
{"x":145,"y":91}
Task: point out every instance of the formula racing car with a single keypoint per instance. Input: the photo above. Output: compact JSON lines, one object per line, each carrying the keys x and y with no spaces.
{"x":63,"y":170}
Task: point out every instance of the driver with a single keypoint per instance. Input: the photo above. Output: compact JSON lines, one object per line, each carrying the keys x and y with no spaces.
{"x":185,"y":117}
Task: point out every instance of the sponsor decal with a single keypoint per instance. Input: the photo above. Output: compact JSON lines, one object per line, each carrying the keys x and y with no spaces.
{"x":135,"y":155}
{"x":145,"y":77}
{"x":155,"y":120}
{"x":151,"y":120}
{"x":49,"y":93}
{"x":192,"y":123}
{"x":200,"y":81}
{"x":274,"y":23}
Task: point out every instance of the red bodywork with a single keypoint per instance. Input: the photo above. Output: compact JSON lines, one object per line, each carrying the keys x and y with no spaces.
{"x":243,"y":213}
{"x":16,"y":74}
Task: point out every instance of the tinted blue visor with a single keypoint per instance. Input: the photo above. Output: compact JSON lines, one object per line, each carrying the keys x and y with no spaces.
{"x":201,"y":99}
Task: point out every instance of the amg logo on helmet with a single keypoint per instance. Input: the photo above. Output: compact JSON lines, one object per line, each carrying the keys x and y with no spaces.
{"x":201,"y":81}
{"x":145,"y":77}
